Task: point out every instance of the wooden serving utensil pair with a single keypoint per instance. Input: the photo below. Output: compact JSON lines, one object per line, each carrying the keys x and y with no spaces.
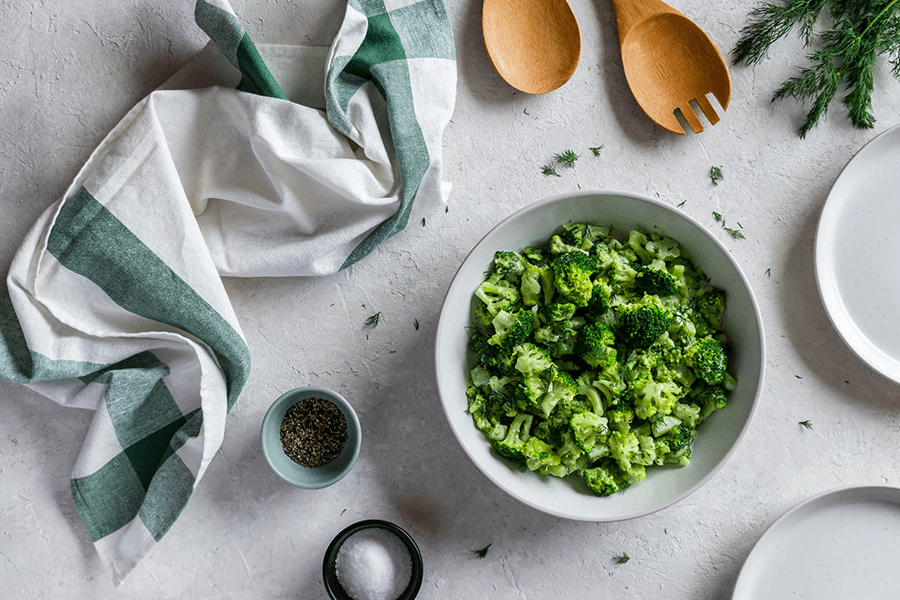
{"x":670,"y":63}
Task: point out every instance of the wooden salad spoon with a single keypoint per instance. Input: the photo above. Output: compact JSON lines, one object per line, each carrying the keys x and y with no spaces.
{"x":670,"y":62}
{"x":534,"y":45}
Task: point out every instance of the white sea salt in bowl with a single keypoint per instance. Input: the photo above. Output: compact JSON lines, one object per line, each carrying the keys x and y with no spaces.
{"x":372,"y":560}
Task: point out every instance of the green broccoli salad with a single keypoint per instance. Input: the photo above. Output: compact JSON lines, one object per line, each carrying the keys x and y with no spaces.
{"x":597,"y":356}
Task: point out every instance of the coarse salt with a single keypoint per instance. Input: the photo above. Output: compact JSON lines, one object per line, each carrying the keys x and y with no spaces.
{"x":373,"y":564}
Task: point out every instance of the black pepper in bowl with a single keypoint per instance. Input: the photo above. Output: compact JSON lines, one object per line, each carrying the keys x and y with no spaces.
{"x":313,"y":432}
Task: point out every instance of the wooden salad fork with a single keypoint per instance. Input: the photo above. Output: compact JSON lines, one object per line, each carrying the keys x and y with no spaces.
{"x":670,"y":64}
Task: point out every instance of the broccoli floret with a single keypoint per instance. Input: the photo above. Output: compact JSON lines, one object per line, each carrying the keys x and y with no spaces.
{"x":529,"y":392}
{"x":641,"y":323}
{"x":540,"y":455}
{"x":598,"y":305}
{"x":655,"y":281}
{"x":707,"y":360}
{"x":559,"y":311}
{"x":711,"y":307}
{"x":509,"y":265}
{"x":487,"y":354}
{"x":572,"y":273}
{"x":710,"y":398}
{"x":625,"y":449}
{"x":620,"y":416}
{"x":517,"y":434}
{"x":512,"y":329}
{"x":587,"y":428}
{"x":558,"y":245}
{"x":560,"y":387}
{"x":537,"y":284}
{"x":595,"y":346}
{"x":650,"y":385}
{"x":675,"y":446}
{"x":586,"y":388}
{"x":583,"y":235}
{"x":600,"y":480}
{"x":531,"y":358}
{"x":497,"y":294}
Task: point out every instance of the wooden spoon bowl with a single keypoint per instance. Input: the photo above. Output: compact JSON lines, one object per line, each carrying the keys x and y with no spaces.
{"x":535,"y":45}
{"x":670,"y":63}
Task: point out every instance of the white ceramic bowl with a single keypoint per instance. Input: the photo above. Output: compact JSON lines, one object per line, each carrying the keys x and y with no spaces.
{"x":716,"y":438}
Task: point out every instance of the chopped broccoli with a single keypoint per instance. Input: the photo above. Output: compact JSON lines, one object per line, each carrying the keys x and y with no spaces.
{"x":497,"y":294}
{"x":642,"y":322}
{"x":508,"y":264}
{"x":532,"y":359}
{"x":596,"y":357}
{"x":711,"y":307}
{"x":517,"y":434}
{"x":596,"y":346}
{"x":707,"y":359}
{"x":511,"y":329}
{"x":601,"y":481}
{"x":572,"y":273}
{"x":655,"y":281}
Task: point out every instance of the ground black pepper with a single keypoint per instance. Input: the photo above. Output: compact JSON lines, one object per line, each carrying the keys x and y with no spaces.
{"x":313,"y":432}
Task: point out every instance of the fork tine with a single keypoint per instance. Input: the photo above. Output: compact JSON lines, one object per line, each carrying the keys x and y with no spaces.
{"x":688,"y":113}
{"x":708,"y":110}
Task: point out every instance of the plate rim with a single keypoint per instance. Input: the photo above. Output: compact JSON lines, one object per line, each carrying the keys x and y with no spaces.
{"x":826,"y":498}
{"x":845,"y":326}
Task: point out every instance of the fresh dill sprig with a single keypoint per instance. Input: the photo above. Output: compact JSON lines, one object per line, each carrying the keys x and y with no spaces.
{"x":549,"y":170}
{"x":716,"y":175}
{"x":374,"y":320}
{"x":566,"y":159}
{"x":483,"y":552}
{"x":596,"y":149}
{"x":416,"y":324}
{"x":718,"y":217}
{"x":734,"y":233}
{"x":845,"y":52}
{"x":807,"y":423}
{"x":622,"y":558}
{"x":769,"y":272}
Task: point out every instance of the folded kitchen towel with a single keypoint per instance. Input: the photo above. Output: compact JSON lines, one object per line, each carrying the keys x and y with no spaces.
{"x":115,"y":303}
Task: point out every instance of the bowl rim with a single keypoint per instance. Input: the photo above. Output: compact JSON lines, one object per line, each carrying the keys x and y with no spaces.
{"x":276,"y":412}
{"x":329,"y":572}
{"x":745,"y":283}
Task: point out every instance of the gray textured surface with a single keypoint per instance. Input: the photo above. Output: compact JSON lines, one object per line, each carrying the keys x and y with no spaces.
{"x":69,"y":71}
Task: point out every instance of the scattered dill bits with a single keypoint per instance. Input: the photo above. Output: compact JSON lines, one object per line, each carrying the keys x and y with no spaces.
{"x":596,"y":149}
{"x":718,"y":217}
{"x":735,"y":233}
{"x":680,"y":204}
{"x":549,"y":170}
{"x":313,"y":432}
{"x":566,"y":159}
{"x":423,"y":221}
{"x":374,"y":320}
{"x":798,"y":377}
{"x":446,"y":209}
{"x":845,"y":52}
{"x":416,"y":324}
{"x":769,"y":272}
{"x":807,"y":424}
{"x":622,"y":558}
{"x":716,"y":175}
{"x":483,"y":552}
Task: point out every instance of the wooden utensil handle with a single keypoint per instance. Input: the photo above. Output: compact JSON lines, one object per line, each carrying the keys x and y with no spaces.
{"x":631,"y":12}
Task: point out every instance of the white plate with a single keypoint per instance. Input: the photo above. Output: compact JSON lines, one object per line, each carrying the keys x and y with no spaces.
{"x":843,"y":545}
{"x":858,"y":254}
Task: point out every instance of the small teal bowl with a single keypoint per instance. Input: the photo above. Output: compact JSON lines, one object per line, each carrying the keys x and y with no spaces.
{"x":309,"y":478}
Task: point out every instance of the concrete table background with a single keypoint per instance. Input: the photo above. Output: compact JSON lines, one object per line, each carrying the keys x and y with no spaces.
{"x":70,"y":71}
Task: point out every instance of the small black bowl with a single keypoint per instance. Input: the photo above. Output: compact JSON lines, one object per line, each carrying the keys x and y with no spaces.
{"x":329,"y":574}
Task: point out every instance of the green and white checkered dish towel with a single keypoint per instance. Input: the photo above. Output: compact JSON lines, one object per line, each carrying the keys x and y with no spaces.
{"x":115,"y":303}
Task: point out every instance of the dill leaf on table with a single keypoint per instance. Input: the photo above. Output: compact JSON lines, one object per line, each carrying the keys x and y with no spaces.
{"x":855,"y":33}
